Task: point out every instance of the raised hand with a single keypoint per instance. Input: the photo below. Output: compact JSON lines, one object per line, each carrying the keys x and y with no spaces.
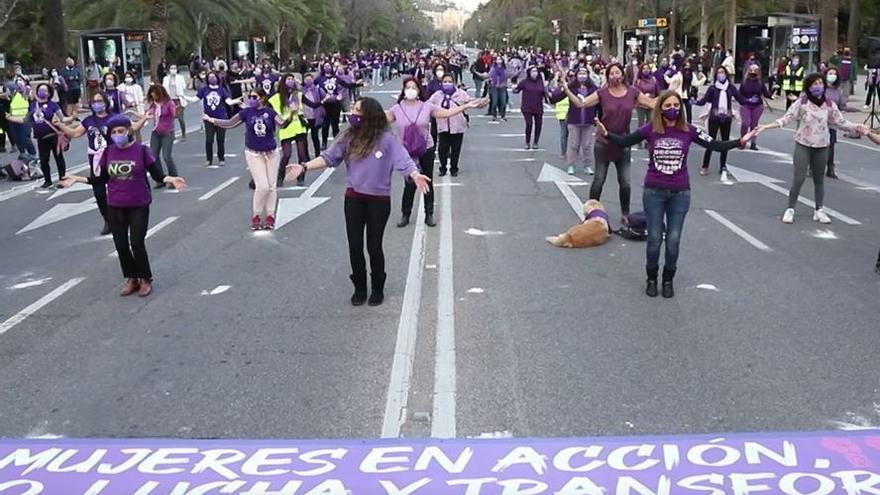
{"x":600,"y":128}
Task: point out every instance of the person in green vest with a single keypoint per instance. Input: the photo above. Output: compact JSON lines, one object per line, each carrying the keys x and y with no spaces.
{"x":561,"y":110}
{"x":287,"y":102}
{"x":19,"y":105}
{"x":793,"y":81}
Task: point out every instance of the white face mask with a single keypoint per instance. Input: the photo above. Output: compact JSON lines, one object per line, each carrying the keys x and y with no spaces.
{"x":410,"y":93}
{"x":129,"y":80}
{"x":173,"y":71}
{"x":440,"y":74}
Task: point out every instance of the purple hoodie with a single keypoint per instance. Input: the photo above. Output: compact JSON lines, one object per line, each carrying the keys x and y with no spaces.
{"x":533,"y":94}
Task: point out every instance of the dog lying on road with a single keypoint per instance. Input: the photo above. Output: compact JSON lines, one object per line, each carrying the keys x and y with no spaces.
{"x":594,"y":231}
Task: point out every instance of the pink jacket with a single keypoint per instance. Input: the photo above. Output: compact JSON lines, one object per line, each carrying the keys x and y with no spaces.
{"x":453,"y":125}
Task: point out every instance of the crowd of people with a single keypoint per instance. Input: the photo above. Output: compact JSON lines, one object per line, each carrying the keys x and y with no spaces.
{"x":301,"y":104}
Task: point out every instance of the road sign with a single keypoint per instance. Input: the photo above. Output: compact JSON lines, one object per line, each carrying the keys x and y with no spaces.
{"x":653,"y":22}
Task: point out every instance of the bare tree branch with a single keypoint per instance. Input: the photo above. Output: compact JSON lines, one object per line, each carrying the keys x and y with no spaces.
{"x":7,"y":7}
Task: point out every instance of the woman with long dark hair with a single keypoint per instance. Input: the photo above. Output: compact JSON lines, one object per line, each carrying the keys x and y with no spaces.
{"x":371,"y":154}
{"x":667,"y":195}
{"x":162,"y":109}
{"x":287,"y":103}
{"x":581,"y":136}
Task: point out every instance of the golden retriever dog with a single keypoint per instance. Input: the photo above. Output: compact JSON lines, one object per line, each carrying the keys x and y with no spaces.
{"x":593,"y":231}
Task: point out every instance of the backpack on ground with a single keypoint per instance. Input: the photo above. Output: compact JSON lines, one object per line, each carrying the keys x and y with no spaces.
{"x":636,"y":227}
{"x":23,"y":168}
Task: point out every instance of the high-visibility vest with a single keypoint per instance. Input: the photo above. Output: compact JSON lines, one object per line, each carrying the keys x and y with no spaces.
{"x":295,"y":128}
{"x":19,"y":105}
{"x":562,"y":109}
{"x":793,"y":82}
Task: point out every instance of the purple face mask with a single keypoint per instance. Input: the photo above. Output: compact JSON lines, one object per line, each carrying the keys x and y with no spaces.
{"x":43,"y":93}
{"x":253,"y":102}
{"x":671,"y":113}
{"x":354,"y":120}
{"x":212,"y":80}
{"x":817,"y":91}
{"x":582,"y":78}
{"x":290,"y":83}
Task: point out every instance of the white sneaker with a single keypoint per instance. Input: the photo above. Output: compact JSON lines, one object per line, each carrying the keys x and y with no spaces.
{"x":589,"y":171}
{"x":821,"y":217}
{"x":571,"y":170}
{"x":724,"y":176}
{"x":788,"y":216}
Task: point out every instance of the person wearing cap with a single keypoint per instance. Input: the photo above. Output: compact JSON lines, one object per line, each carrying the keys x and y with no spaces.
{"x":124,"y":166}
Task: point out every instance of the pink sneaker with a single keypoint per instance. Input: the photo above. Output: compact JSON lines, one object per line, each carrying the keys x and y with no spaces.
{"x":269,"y":224}
{"x":255,"y":223}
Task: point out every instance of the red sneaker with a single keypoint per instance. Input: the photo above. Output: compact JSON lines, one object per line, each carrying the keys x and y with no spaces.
{"x":269,"y":224}
{"x":255,"y":223}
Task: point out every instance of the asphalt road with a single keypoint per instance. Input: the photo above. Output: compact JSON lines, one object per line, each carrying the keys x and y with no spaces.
{"x":486,"y":329}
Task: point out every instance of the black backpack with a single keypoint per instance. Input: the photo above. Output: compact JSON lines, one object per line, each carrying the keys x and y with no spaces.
{"x":636,"y":228}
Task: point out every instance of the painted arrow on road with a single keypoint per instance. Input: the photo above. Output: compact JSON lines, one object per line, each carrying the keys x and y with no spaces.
{"x":743,"y":176}
{"x":58,"y":213}
{"x":289,"y":209}
{"x":564,"y":182}
{"x":74,"y":188}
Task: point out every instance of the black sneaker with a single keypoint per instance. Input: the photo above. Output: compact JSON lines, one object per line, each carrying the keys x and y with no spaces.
{"x":442,"y":172}
{"x":454,"y":173}
{"x":46,"y":184}
{"x":651,"y":289}
{"x":668,"y":290}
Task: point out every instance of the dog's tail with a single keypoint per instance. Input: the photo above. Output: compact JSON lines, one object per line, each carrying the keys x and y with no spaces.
{"x":556,"y":240}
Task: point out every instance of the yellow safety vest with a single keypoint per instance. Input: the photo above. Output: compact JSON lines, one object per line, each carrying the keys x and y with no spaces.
{"x":794,"y":82}
{"x":562,"y":109}
{"x":295,"y":128}
{"x":19,"y":105}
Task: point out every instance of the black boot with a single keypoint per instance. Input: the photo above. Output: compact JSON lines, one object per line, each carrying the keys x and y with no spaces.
{"x":668,"y":290}
{"x":360,"y":289}
{"x":378,"y":294}
{"x":429,"y":220}
{"x":651,"y":289}
{"x":829,"y":172}
{"x":106,"y":229}
{"x":877,"y":267}
{"x":404,"y":220}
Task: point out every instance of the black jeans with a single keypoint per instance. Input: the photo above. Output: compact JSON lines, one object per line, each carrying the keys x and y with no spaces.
{"x":99,"y":191}
{"x":536,"y":120}
{"x":716,"y":125}
{"x":129,"y":228}
{"x":331,"y":119}
{"x":46,"y":147}
{"x":426,"y":164}
{"x":302,"y":153}
{"x":623,"y":164}
{"x":315,"y":133}
{"x":449,"y":149}
{"x":212,"y":131}
{"x":370,"y":215}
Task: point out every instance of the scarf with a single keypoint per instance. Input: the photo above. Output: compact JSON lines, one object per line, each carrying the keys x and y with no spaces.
{"x":723,"y":103}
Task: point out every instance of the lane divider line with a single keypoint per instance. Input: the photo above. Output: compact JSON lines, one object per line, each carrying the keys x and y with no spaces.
{"x":39,"y":304}
{"x":738,"y":231}
{"x":444,"y":422}
{"x":210,"y":194}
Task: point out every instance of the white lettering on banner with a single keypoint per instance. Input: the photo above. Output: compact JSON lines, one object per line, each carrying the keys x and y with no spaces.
{"x":435,"y":453}
{"x":97,"y":487}
{"x":33,"y":487}
{"x":138,"y":455}
{"x":754,"y":450}
{"x":788,"y":484}
{"x":83,"y":467}
{"x":616,"y":458}
{"x":147,"y":488}
{"x":522,"y":487}
{"x":868,"y":486}
{"x":183,"y":488}
{"x":626,"y":485}
{"x":691,"y":483}
{"x":696,"y":455}
{"x":160,"y":456}
{"x":391,"y":488}
{"x":23,"y":457}
{"x":741,"y":483}
{"x":473,"y":485}
{"x":217,"y":459}
{"x":672,"y":456}
{"x":522,"y":455}
{"x":251,"y":467}
{"x":371,"y":462}
{"x":326,"y":466}
{"x":581,"y":486}
{"x":263,"y":487}
{"x":329,"y":487}
{"x":562,"y":460}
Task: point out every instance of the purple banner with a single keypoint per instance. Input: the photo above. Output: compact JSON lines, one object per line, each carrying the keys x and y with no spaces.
{"x":821,"y":463}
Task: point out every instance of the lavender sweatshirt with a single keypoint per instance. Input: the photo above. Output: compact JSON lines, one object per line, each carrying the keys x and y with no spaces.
{"x":372,"y":174}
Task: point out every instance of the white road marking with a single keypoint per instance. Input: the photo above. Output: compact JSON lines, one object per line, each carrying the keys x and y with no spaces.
{"x":510,"y":135}
{"x":475,"y":290}
{"x":210,"y":194}
{"x":444,"y":422}
{"x":152,"y":231}
{"x":405,"y":346}
{"x":26,"y":188}
{"x":314,"y":186}
{"x":824,"y":234}
{"x":738,"y":231}
{"x":58,"y":213}
{"x":220,"y":289}
{"x":74,"y":188}
{"x":482,"y":233}
{"x":708,"y":287}
{"x":38,"y":304}
{"x":834,"y":213}
{"x":31,"y":283}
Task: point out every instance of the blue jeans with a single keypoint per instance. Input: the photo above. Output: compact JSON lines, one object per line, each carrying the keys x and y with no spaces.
{"x":499,"y":102}
{"x":665,"y":210}
{"x":21,"y":133}
{"x":563,"y":135}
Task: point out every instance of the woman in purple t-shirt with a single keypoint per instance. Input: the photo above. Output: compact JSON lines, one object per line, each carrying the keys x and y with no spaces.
{"x":162,"y":108}
{"x":261,"y":152}
{"x":410,"y":110}
{"x":124,"y":166}
{"x":618,"y":102}
{"x":42,"y":112}
{"x":667,"y":195}
{"x":371,"y":154}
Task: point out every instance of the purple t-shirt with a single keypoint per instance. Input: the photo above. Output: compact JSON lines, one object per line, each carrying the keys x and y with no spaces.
{"x":267,"y":83}
{"x":420,"y":114}
{"x":214,"y":101}
{"x":259,"y":128}
{"x":40,"y":114}
{"x":96,"y":130}
{"x":372,"y":174}
{"x":164,"y":117}
{"x":127,"y":186}
{"x":667,"y":156}
{"x":616,"y":116}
